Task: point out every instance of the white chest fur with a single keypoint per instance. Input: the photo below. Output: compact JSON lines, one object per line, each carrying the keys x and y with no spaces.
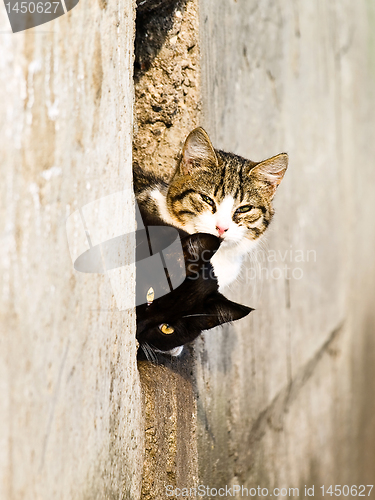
{"x":227,"y":266}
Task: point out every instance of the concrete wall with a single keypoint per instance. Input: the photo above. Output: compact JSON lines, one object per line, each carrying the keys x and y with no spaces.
{"x":70,"y":405}
{"x":286,"y":396}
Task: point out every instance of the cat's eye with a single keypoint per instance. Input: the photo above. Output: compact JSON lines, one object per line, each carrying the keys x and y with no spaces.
{"x":244,"y":209}
{"x":166,"y":329}
{"x":208,"y":200}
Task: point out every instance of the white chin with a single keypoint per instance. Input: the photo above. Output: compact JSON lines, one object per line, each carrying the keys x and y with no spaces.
{"x":176,"y":351}
{"x":230,"y":243}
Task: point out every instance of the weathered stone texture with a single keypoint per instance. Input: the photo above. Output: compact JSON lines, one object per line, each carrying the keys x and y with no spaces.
{"x":70,"y":407}
{"x":167,"y":88}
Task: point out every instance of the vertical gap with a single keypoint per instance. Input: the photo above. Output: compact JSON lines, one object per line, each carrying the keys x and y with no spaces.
{"x":167,"y":96}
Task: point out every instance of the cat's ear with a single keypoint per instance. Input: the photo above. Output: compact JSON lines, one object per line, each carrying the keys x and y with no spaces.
{"x":271,"y":172}
{"x":220,"y":310}
{"x":200,"y":246}
{"x":197,"y":152}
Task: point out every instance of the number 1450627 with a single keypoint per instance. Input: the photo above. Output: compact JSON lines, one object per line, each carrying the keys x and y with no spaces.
{"x":31,"y":7}
{"x":344,"y":490}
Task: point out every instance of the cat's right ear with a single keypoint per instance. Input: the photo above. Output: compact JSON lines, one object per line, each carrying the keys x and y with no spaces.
{"x":197,"y":152}
{"x":271,"y":172}
{"x":220,"y":310}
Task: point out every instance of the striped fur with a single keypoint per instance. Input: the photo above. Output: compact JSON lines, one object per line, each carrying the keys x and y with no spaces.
{"x":218,"y":193}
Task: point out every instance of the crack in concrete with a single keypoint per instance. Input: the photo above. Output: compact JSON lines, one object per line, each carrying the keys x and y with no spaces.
{"x":282,"y":401}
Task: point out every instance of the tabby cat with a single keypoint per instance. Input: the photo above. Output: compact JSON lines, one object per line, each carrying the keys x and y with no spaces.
{"x":217,"y":193}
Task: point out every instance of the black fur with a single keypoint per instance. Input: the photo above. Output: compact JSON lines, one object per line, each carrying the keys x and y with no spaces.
{"x":192,"y":307}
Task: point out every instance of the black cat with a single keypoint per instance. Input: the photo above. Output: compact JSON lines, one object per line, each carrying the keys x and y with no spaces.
{"x":169,"y":317}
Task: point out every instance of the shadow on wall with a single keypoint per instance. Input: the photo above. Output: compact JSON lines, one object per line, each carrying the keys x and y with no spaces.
{"x":153,"y":22}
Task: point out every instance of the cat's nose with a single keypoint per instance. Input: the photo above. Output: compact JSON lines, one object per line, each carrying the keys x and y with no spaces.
{"x":221,"y":230}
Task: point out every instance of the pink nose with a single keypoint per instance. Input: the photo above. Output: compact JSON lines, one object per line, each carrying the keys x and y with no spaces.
{"x":221,"y":230}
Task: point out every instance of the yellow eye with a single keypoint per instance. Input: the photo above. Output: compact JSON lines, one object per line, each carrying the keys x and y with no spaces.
{"x":166,"y":329}
{"x":208,"y":200}
{"x":243,"y":209}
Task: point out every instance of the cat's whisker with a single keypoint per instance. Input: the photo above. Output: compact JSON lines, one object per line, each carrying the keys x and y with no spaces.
{"x":149,"y":352}
{"x":146,"y":351}
{"x":192,"y":315}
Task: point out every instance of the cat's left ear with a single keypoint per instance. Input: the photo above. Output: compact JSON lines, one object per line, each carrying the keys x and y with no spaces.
{"x":271,"y":171}
{"x":197,"y":152}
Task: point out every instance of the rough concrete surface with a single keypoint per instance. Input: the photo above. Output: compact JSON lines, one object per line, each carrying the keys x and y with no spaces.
{"x":167,"y":91}
{"x":169,"y":397}
{"x":286,"y":396}
{"x":70,"y":407}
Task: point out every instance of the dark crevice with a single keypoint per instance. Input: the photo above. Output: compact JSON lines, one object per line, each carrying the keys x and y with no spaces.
{"x":153,"y":22}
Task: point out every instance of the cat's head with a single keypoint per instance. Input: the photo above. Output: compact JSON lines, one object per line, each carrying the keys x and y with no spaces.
{"x":222,"y":193}
{"x":196,"y":305}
